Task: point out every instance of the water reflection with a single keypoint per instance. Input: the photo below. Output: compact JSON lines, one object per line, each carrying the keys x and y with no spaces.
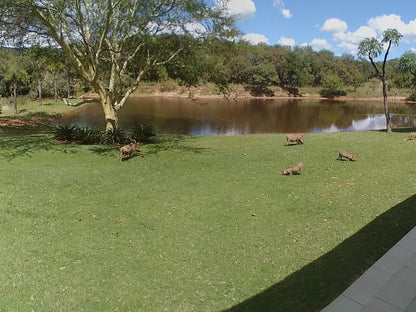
{"x":222,"y":117}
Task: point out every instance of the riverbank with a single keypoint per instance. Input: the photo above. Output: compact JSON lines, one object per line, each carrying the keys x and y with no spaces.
{"x":239,"y":92}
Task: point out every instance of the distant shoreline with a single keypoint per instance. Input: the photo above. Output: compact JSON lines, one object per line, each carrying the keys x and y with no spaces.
{"x":197,"y":93}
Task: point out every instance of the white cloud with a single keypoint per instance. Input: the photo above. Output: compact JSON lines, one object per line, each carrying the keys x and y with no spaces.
{"x":286,"y":13}
{"x":334,"y":25}
{"x":381,"y":23}
{"x":255,"y":38}
{"x":286,"y":42}
{"x":320,"y":44}
{"x":280,"y":4}
{"x":241,"y":9}
{"x":349,"y":41}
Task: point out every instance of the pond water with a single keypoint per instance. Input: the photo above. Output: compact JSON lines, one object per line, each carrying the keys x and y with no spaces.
{"x":247,"y":116}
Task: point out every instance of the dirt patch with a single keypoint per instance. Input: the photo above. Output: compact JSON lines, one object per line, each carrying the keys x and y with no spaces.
{"x":15,"y":122}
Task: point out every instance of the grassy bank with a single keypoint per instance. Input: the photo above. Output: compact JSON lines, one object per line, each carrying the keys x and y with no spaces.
{"x":197,"y":223}
{"x":27,"y":107}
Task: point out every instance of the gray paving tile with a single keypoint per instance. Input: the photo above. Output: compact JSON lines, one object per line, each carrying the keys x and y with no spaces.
{"x":343,"y":304}
{"x":394,"y":259}
{"x":412,"y":232}
{"x":411,"y":307}
{"x":411,"y":262}
{"x":363,"y":289}
{"x":408,"y":241}
{"x":377,"y":305}
{"x":400,"y":290}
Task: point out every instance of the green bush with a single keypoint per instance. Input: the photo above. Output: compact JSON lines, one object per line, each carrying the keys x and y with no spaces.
{"x":87,"y":135}
{"x":332,"y":87}
{"x":412,"y":96}
{"x":66,"y":133}
{"x":168,"y":85}
{"x":144,"y":133}
{"x":115,"y":136}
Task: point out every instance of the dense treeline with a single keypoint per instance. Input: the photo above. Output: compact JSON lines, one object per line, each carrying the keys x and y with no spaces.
{"x":44,"y":72}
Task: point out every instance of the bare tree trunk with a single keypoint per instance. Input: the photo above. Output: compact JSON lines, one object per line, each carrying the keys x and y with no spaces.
{"x":386,"y":107}
{"x":55,"y":86}
{"x":68,"y":81}
{"x":15,"y":95}
{"x":40,"y":91}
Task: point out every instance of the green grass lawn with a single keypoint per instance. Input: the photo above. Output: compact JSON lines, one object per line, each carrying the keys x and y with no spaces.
{"x":197,"y":223}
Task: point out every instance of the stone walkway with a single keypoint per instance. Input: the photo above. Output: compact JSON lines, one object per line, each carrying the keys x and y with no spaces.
{"x":388,"y":286}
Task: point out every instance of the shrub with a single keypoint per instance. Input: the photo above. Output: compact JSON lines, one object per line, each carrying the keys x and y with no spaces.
{"x":168,"y":86}
{"x":332,"y":86}
{"x":87,"y":135}
{"x":144,"y":133}
{"x":66,"y":133}
{"x":412,"y":96}
{"x":115,"y":136}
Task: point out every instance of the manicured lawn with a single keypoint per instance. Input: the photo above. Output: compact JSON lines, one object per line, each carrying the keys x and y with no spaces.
{"x":197,"y":223}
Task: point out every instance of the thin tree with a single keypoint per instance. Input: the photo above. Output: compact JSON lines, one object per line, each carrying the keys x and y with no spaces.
{"x":371,"y":48}
{"x":102,"y":38}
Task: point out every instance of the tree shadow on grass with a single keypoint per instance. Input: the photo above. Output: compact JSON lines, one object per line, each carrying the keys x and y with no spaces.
{"x":24,"y":141}
{"x":317,"y":284}
{"x":162,"y":143}
{"x":174,"y":142}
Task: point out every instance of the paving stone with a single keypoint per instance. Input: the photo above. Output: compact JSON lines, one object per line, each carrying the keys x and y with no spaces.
{"x":411,"y":262}
{"x":378,"y":305}
{"x":388,"y":286}
{"x":394,"y":259}
{"x":408,"y":241}
{"x":400,"y":289}
{"x":363,"y":289}
{"x":343,"y":304}
{"x":411,"y":307}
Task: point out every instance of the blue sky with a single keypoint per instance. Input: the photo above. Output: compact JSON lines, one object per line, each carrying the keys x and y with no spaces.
{"x":335,"y":25}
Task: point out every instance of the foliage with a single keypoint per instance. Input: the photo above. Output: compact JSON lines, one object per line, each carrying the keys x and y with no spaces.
{"x":144,"y":133}
{"x":407,"y":63}
{"x":261,"y":77}
{"x":66,"y":133}
{"x":294,"y":74}
{"x":168,"y":85}
{"x":370,"y":47}
{"x":87,"y":135}
{"x":332,"y":87}
{"x":412,"y":96}
{"x":114,"y":136}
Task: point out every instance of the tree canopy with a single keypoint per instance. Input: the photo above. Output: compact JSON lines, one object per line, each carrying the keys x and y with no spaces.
{"x":102,"y":38}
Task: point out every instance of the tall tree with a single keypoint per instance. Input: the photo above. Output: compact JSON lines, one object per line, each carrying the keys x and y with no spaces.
{"x":101,"y":38}
{"x":371,"y":48}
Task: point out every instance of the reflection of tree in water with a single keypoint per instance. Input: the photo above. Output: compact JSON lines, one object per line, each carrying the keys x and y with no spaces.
{"x":218,"y":116}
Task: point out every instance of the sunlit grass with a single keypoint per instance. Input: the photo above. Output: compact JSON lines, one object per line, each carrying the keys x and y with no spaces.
{"x":191,"y":223}
{"x":26,"y":106}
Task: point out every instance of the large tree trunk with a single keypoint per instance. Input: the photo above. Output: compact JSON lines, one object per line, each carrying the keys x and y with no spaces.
{"x":110,"y":113}
{"x":386,"y":107}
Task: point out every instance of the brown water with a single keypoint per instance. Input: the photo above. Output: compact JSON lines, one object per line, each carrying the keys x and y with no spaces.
{"x":245,"y":116}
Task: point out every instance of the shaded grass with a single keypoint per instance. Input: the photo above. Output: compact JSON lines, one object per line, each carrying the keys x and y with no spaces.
{"x":193,"y":223}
